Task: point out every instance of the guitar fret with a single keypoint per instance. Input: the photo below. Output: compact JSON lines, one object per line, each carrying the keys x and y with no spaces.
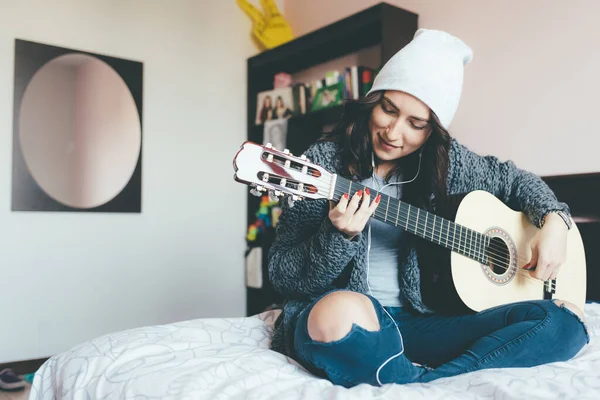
{"x":397,"y":213}
{"x":350,"y":190}
{"x":417,"y":228}
{"x":479,"y":254}
{"x":480,"y":248}
{"x":386,"y":209}
{"x":442,"y":232}
{"x":433,"y":229}
{"x":475,"y":243}
{"x":483,"y":246}
{"x":474,"y":236}
{"x":457,"y":237}
{"x":470,"y":240}
{"x":476,"y":253}
{"x":425,"y":229}
{"x":454,"y":236}
{"x":471,"y":248}
{"x":447,"y":233}
{"x":408,"y":217}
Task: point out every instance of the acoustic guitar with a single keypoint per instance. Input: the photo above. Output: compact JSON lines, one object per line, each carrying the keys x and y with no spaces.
{"x":489,"y":242}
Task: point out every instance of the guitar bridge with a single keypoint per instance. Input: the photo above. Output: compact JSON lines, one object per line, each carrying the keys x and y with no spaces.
{"x":549,"y":289}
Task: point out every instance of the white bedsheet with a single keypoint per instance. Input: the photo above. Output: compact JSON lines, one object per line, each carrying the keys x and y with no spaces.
{"x":229,"y":359}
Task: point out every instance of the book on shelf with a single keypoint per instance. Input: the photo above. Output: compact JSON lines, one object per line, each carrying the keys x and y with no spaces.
{"x":361,"y":80}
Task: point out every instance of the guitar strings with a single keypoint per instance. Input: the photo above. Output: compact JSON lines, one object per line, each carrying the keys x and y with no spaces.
{"x":423,"y":226}
{"x":500,"y":262}
{"x":495,"y":256}
{"x":489,"y":246}
{"x":491,"y":254}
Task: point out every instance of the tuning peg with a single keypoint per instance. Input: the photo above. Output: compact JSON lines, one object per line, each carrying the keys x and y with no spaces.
{"x":303,"y":157}
{"x":287,"y":151}
{"x":296,"y":198}
{"x":257,"y":190}
{"x":274,"y":195}
{"x":269,"y":145}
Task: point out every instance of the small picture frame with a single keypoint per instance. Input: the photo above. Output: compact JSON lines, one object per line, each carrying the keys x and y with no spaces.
{"x":274,"y":104}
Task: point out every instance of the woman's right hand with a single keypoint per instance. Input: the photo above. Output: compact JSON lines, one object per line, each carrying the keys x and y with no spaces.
{"x":348,"y":217}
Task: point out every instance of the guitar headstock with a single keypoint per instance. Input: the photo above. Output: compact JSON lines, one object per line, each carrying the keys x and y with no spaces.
{"x":268,"y":169}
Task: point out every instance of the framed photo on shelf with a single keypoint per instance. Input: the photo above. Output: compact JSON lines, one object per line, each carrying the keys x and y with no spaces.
{"x":274,"y":104}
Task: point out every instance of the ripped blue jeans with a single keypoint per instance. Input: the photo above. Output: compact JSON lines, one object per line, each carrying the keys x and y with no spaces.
{"x":523,"y":334}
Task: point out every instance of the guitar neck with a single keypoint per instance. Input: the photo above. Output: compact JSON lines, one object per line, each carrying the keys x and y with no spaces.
{"x":421,"y":223}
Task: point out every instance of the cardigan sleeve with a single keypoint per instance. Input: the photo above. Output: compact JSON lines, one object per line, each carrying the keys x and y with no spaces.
{"x":518,"y":189}
{"x":308,"y":252}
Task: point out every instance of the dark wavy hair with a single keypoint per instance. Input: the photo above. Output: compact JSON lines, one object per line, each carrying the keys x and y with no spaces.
{"x":353,"y":135}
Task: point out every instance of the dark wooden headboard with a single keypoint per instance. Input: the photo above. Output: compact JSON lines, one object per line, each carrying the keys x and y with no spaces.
{"x":582,"y":193}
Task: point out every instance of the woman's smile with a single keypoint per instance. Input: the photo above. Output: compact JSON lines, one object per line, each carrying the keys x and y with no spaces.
{"x":385,"y":145}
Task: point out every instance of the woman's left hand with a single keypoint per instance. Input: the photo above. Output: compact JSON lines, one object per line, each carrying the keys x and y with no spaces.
{"x":548,"y":249}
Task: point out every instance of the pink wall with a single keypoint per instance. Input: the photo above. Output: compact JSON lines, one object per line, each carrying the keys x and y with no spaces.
{"x":532,"y":89}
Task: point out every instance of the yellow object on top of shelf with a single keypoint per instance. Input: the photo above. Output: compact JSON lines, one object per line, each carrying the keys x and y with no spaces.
{"x":270,"y":28}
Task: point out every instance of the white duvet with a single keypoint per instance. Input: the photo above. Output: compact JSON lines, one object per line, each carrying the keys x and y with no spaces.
{"x":229,"y":359}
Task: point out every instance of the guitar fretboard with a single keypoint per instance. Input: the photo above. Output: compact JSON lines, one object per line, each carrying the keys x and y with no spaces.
{"x":419,"y":222}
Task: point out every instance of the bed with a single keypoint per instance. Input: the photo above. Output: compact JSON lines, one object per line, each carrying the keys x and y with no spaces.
{"x":229,"y":358}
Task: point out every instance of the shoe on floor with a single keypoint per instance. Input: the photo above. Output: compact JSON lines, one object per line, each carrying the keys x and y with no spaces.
{"x":10,"y":381}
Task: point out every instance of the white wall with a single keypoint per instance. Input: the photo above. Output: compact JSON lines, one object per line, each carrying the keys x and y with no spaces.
{"x":68,"y":277}
{"x":531,"y":91}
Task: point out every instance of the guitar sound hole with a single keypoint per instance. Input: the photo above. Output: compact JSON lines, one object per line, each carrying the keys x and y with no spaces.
{"x":498,"y":256}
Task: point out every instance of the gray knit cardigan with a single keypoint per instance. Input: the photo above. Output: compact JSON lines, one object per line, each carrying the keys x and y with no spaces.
{"x":310,"y":257}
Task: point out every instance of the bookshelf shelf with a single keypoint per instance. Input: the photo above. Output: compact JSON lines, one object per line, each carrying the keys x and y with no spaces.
{"x":384,"y":26}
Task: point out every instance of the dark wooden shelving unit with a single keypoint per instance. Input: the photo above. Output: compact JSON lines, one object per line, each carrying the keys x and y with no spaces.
{"x":383,"y":25}
{"x":582,"y":194}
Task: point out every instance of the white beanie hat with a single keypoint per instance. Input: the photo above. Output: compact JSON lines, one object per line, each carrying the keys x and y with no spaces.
{"x":430,"y":68}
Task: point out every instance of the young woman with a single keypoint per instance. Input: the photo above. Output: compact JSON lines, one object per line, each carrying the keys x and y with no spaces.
{"x":266,"y":112}
{"x":281,"y":111}
{"x":353,"y":311}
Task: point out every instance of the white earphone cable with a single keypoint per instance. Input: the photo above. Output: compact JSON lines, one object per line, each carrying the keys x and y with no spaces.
{"x":368,"y":264}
